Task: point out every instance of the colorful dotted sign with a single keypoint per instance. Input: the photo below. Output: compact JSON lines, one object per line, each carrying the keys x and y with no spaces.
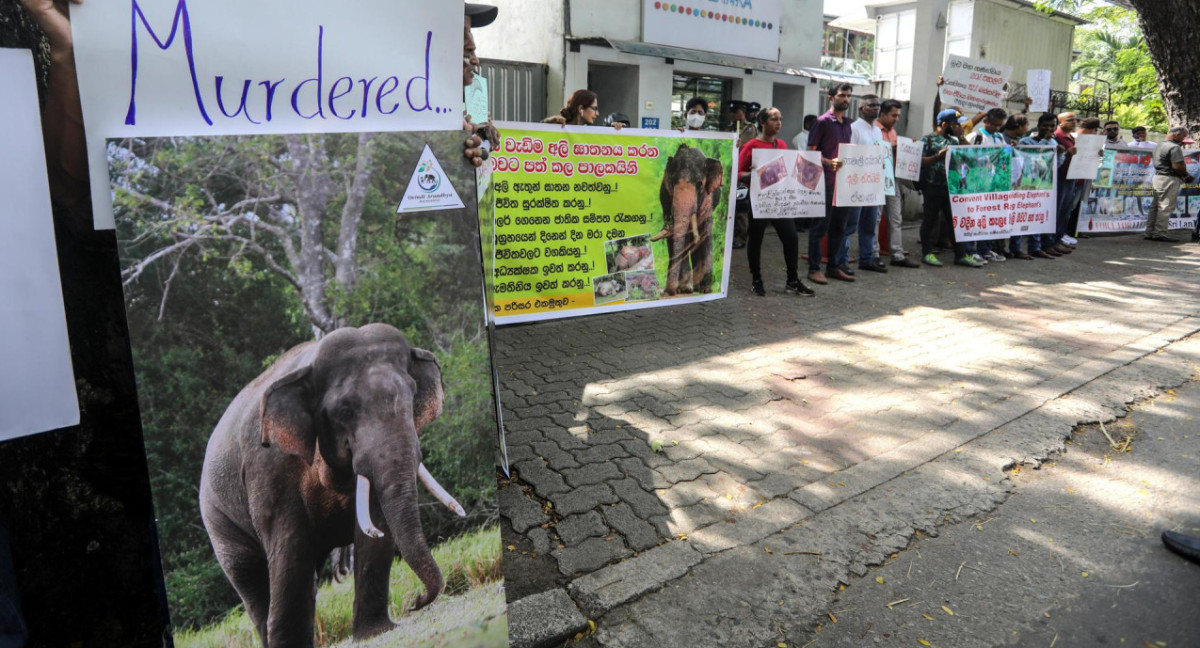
{"x":712,"y":15}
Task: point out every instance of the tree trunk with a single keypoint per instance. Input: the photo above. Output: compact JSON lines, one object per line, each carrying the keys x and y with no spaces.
{"x":1169,"y":26}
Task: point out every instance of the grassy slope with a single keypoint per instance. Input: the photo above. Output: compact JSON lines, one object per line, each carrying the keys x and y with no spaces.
{"x":470,"y":612}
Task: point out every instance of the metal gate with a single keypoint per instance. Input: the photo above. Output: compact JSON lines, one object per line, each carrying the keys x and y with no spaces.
{"x":516,"y":90}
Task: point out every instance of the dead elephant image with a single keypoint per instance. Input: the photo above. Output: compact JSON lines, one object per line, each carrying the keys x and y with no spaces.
{"x":688,"y":195}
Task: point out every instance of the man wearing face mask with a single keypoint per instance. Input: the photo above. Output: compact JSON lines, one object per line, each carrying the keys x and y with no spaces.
{"x":695,"y":113}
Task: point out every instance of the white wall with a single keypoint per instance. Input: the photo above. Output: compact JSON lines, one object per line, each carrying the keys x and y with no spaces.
{"x":616,"y":19}
{"x":1024,"y":39}
{"x":803,"y":32}
{"x":529,"y":31}
{"x":928,"y":60}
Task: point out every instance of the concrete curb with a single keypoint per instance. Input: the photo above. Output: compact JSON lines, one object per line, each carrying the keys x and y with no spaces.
{"x":545,"y":619}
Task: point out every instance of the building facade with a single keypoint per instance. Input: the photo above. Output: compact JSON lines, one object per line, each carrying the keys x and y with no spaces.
{"x":646,"y":58}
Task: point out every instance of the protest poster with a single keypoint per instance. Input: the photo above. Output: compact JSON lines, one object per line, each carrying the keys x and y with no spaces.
{"x":889,"y":172}
{"x":1034,"y":193}
{"x":475,"y":101}
{"x":593,"y":220}
{"x":973,"y":85}
{"x":980,"y":182}
{"x":273,"y":294}
{"x":1089,"y":153}
{"x":1037,"y":86}
{"x":1120,"y":198}
{"x":908,"y":158}
{"x":226,"y":67}
{"x":37,"y":385}
{"x":860,"y":183}
{"x":787,"y":184}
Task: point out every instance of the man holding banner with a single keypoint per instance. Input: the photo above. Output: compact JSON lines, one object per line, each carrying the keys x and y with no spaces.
{"x":937,"y":220}
{"x":865,"y":219}
{"x":889,"y":114}
{"x":1169,"y":175}
{"x":830,"y":131}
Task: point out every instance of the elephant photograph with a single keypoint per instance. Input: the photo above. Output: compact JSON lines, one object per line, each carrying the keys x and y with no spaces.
{"x":315,"y":386}
{"x":690,"y":195}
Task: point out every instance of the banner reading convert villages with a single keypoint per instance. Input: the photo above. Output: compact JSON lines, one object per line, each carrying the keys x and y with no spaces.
{"x":1121,"y":194}
{"x":787,"y":184}
{"x":591,"y":220}
{"x":1001,"y":191}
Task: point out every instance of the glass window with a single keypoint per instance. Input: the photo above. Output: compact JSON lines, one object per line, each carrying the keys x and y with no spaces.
{"x":714,"y":89}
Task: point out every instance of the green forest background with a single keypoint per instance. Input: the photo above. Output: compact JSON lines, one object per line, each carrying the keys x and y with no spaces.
{"x":235,"y":249}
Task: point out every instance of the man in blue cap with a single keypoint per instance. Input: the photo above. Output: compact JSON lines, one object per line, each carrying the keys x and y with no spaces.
{"x":937,"y":194}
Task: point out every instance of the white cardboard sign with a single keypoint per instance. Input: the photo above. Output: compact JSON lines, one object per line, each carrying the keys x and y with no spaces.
{"x":37,"y":384}
{"x":859,"y":181}
{"x":908,"y":158}
{"x":1089,"y":153}
{"x":787,"y":184}
{"x":1037,"y":86}
{"x":974,"y":85}
{"x":229,"y":67}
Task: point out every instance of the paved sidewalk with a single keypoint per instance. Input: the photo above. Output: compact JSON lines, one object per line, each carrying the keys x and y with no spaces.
{"x":656,"y":451}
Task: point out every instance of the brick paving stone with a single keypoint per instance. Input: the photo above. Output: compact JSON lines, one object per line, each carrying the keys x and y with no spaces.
{"x":592,"y":473}
{"x":590,"y":555}
{"x":643,"y":502}
{"x":646,"y":478}
{"x":541,"y":540}
{"x":638,"y":533}
{"x":545,"y":482}
{"x":583,"y":499}
{"x":556,"y":458}
{"x":601,"y":453}
{"x":576,"y":528}
{"x":686,"y":470}
{"x":522,"y":512}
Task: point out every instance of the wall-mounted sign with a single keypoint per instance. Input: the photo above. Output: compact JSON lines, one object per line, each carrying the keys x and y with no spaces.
{"x":737,"y":27}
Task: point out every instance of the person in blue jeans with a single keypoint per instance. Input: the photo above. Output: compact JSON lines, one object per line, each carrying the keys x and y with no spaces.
{"x":1044,"y":136}
{"x":863,"y":220}
{"x":828,"y":133}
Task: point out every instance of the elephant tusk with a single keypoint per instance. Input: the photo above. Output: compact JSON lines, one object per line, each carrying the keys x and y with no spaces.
{"x":439,"y":492}
{"x":362,"y":507}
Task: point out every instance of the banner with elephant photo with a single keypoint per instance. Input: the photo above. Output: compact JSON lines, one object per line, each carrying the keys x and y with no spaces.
{"x":1121,"y":195}
{"x":315,"y":385}
{"x":594,"y":220}
{"x":1001,"y":191}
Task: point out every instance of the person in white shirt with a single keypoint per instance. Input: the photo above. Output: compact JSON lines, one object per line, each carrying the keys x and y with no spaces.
{"x":863,"y":220}
{"x":800,"y":141}
{"x":1139,"y":138}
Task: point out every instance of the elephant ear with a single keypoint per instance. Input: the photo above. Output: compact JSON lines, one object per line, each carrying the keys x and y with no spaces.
{"x":286,"y":421}
{"x":427,"y":402}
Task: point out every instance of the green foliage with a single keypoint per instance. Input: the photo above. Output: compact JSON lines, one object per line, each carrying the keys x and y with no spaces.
{"x":1113,"y":50}
{"x":469,"y":564}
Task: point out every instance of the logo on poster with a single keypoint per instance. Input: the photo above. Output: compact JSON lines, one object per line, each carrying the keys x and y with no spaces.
{"x":429,"y":176}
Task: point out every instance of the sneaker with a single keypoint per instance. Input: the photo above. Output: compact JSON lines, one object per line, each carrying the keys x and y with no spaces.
{"x":797,"y":287}
{"x":1069,"y":240}
{"x":905,"y":262}
{"x":758,"y":288}
{"x":980,"y":261}
{"x":931,"y":259}
{"x":969,"y":261}
{"x":994,"y":256}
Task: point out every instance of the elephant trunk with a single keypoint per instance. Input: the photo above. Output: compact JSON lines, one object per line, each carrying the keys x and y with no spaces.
{"x":398,"y":499}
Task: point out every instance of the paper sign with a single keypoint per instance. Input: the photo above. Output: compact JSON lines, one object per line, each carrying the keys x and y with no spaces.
{"x":1037,"y":86}
{"x":859,"y":182}
{"x":1089,"y":151}
{"x":475,"y":100}
{"x":223,"y":67}
{"x":429,"y":188}
{"x":908,"y":158}
{"x":889,"y":173}
{"x":787,"y":184}
{"x":37,"y":383}
{"x":974,"y":85}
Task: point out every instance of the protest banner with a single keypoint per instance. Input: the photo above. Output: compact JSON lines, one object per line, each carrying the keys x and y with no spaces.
{"x":1037,"y":86}
{"x":271,"y":278}
{"x":37,"y":384}
{"x":591,"y":220}
{"x":1034,"y":194}
{"x":889,"y":172}
{"x":908,"y":158}
{"x":787,"y":184}
{"x":1089,"y":152}
{"x":980,"y":182}
{"x":860,"y":181}
{"x":973,"y":85}
{"x":223,"y":67}
{"x":1122,"y":192}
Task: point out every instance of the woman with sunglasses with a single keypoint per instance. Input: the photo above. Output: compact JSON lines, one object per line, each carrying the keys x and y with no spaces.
{"x":582,"y":109}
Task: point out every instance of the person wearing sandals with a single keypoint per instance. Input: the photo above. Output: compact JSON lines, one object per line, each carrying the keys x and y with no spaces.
{"x":769,"y":123}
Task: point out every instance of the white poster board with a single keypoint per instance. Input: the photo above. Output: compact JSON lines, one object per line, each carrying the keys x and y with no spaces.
{"x":739,"y":28}
{"x":37,"y":383}
{"x":908,"y":158}
{"x":228,"y":67}
{"x":1089,"y":153}
{"x":787,"y":184}
{"x":974,"y":85}
{"x":1037,"y":86}
{"x":859,"y":182}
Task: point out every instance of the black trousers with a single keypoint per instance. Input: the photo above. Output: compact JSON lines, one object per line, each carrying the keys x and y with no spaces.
{"x":938,"y":216}
{"x":786,"y":229}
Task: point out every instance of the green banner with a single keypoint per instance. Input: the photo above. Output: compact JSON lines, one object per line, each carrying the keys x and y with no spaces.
{"x":591,"y":220}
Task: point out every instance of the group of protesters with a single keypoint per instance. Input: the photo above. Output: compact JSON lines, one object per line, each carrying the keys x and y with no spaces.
{"x":828,"y":253}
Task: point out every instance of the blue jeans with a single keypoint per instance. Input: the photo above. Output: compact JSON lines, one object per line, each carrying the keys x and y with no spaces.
{"x":863,"y":220}
{"x":839,"y":226}
{"x":1035,"y":243}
